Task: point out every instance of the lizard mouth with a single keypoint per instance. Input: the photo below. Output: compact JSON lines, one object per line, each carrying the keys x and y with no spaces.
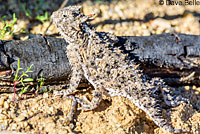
{"x":91,"y":16}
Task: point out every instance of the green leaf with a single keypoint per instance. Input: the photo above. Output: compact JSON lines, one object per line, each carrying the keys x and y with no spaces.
{"x":43,"y":18}
{"x":2,"y":17}
{"x":24,"y":89}
{"x":26,"y":11}
{"x":24,"y":74}
{"x":22,"y":82}
{"x":28,"y":80}
{"x":18,"y":63}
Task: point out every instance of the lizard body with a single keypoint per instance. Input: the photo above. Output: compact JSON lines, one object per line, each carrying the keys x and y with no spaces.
{"x":95,"y":56}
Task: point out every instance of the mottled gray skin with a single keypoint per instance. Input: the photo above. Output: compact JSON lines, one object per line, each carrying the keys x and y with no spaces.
{"x":94,"y":56}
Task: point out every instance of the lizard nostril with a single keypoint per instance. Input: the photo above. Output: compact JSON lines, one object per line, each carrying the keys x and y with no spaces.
{"x":64,"y":15}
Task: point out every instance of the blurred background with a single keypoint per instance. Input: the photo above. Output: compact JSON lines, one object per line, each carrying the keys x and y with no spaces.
{"x":121,"y":17}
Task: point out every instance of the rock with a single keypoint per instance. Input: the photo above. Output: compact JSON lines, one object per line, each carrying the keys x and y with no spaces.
{"x":3,"y":117}
{"x":45,"y":95}
{"x":6,"y":105}
{"x":2,"y":101}
{"x":19,"y":118}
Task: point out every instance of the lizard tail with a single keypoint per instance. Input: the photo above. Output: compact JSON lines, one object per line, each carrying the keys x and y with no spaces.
{"x":155,"y":113}
{"x":152,"y":106}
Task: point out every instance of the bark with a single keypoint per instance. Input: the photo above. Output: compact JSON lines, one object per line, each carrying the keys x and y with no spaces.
{"x":47,"y":55}
{"x":174,"y":57}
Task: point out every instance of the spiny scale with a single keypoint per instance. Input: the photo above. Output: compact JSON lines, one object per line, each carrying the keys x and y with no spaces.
{"x":94,"y":55}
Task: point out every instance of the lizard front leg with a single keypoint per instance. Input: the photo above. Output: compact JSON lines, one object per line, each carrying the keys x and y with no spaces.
{"x":74,"y":82}
{"x":97,"y":95}
{"x":77,"y":72}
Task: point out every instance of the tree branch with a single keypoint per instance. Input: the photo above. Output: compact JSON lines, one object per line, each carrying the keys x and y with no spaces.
{"x":174,"y":57}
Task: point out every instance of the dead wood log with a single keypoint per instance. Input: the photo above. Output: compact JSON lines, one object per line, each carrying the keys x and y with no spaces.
{"x":174,"y":57}
{"x":47,"y":55}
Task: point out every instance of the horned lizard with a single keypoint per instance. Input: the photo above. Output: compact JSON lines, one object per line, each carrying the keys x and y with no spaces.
{"x":95,"y":56}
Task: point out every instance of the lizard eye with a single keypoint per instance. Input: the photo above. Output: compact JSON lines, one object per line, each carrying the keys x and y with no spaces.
{"x":64,"y":15}
{"x":75,"y":14}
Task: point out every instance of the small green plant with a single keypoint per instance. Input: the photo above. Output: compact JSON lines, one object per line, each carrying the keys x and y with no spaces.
{"x":24,"y":79}
{"x":24,"y":89}
{"x":20,"y":79}
{"x":7,"y":27}
{"x":39,"y":6}
{"x":43,"y":18}
{"x":99,"y":1}
{"x":26,"y":11}
{"x":40,"y":82}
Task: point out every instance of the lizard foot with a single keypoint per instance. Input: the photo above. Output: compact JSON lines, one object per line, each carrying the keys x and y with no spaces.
{"x":87,"y":105}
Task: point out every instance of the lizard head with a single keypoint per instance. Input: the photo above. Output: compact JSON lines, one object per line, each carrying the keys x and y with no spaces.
{"x":69,"y":20}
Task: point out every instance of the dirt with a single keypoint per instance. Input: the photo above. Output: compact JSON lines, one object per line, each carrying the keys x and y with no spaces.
{"x":45,"y":113}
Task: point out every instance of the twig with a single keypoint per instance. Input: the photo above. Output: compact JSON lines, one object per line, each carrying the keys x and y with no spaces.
{"x":62,"y":5}
{"x":189,"y":77}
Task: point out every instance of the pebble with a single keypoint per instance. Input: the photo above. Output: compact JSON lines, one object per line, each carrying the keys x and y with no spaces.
{"x":146,"y":127}
{"x":2,"y":100}
{"x":3,"y":126}
{"x":13,"y":126}
{"x":19,"y":118}
{"x":6,"y":105}
{"x":11,"y":114}
{"x":45,"y":95}
{"x":3,"y":117}
{"x":187,"y":87}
